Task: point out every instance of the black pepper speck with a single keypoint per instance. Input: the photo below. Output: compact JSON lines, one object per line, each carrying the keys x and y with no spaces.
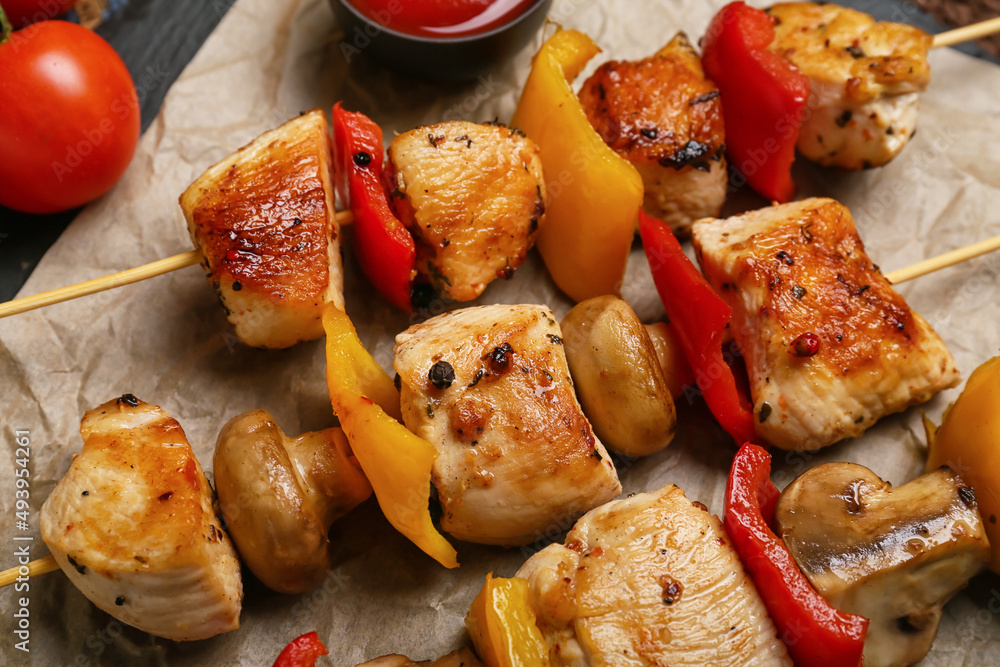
{"x":441,"y":375}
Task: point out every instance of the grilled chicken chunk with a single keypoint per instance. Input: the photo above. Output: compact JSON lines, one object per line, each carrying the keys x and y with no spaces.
{"x":662,"y":115}
{"x":264,"y":219}
{"x":864,"y":79}
{"x":490,"y":389}
{"x":132,"y":526}
{"x":473,"y":196}
{"x":829,"y":346}
{"x":649,"y":580}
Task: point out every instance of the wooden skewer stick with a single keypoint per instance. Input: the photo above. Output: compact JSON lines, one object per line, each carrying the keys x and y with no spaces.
{"x":48,"y":564}
{"x":967,"y":33}
{"x":127,"y":277}
{"x":943,"y":261}
{"x":35,"y":568}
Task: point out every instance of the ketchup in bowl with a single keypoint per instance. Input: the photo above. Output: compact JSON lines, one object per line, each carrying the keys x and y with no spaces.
{"x":443,"y":18}
{"x":437,"y":40}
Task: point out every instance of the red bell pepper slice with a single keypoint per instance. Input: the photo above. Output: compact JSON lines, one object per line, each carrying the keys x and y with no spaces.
{"x":301,"y":651}
{"x":816,"y":634}
{"x":699,"y":317}
{"x":763,"y":98}
{"x":384,"y":247}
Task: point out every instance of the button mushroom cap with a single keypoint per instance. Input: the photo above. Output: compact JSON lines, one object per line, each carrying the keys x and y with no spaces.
{"x":894,"y":556}
{"x":618,"y":376}
{"x":677,"y":372}
{"x":279,"y":496}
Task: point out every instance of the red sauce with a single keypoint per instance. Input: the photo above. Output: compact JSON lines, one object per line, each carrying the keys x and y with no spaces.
{"x":442,"y":18}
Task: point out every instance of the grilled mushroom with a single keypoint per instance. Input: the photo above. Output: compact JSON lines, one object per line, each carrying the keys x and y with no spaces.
{"x":677,"y":372}
{"x":618,"y":376}
{"x":894,"y":556}
{"x":279,"y":496}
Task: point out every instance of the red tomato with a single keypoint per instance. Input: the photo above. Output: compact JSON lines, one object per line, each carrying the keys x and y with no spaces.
{"x":23,"y":12}
{"x":69,"y":118}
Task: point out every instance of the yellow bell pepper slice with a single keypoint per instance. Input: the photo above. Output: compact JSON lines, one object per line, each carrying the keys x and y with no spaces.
{"x":359,"y":373}
{"x":594,"y":194}
{"x":397,"y":462}
{"x":503,"y":626}
{"x":968,"y":442}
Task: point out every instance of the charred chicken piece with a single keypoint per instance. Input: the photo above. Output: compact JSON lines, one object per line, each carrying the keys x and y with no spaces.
{"x":131,"y":524}
{"x":490,"y":389}
{"x":473,"y":196}
{"x":279,"y":496}
{"x":829,"y":346}
{"x":864,"y":81}
{"x":662,"y":115}
{"x":894,"y":556}
{"x":264,"y":219}
{"x":649,"y":580}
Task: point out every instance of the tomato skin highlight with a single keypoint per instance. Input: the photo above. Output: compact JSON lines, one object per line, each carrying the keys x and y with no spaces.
{"x":69,"y":118}
{"x":22,"y":12}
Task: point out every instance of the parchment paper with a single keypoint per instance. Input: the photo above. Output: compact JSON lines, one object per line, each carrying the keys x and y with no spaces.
{"x":167,"y":340}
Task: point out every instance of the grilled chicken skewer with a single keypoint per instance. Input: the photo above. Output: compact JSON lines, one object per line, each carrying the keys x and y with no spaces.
{"x":264,"y":221}
{"x":864,"y":81}
{"x":489,"y":388}
{"x":664,"y":117}
{"x":473,"y":197}
{"x":131,"y":524}
{"x":652,"y":577}
{"x":47,"y":564}
{"x":295,"y":154}
{"x":829,"y":346}
{"x":343,"y":218}
{"x":865,"y":78}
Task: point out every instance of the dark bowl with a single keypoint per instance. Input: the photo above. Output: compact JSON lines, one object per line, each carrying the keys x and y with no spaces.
{"x":436,"y":58}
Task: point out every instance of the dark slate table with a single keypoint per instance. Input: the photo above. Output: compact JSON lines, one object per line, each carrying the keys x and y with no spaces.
{"x":157,"y":38}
